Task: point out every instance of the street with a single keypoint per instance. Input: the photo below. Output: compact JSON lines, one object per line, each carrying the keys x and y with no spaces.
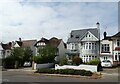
{"x":109,"y":75}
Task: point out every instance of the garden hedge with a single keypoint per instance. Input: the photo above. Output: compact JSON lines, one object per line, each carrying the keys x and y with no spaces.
{"x":65,"y":71}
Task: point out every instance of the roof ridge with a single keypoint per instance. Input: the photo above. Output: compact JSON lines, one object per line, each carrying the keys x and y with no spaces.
{"x":83,"y":29}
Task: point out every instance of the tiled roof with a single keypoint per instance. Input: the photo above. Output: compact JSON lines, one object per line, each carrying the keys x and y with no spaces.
{"x":80,"y":34}
{"x":116,"y":35}
{"x":26,"y":43}
{"x":6,"y":46}
{"x":52,"y":41}
{"x":46,"y":41}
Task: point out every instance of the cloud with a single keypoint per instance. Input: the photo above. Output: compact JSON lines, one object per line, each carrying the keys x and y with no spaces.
{"x":32,"y":20}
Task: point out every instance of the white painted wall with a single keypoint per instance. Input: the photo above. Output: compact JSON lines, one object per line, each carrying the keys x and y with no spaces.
{"x":92,"y":68}
{"x":110,"y":44}
{"x":89,"y":37}
{"x":108,"y":58}
{"x":61,"y":50}
{"x":108,"y":55}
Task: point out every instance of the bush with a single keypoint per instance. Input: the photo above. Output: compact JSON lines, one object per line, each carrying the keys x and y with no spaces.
{"x":66,"y":71}
{"x":8,"y":62}
{"x":77,"y":60}
{"x":94,"y":62}
{"x":63,"y":61}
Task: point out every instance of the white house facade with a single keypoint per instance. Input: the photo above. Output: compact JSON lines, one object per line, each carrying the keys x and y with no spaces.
{"x":110,"y":49}
{"x":84,"y":43}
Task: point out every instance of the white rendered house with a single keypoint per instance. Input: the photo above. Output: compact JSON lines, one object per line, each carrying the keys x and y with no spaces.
{"x":84,"y":43}
{"x":110,"y":48}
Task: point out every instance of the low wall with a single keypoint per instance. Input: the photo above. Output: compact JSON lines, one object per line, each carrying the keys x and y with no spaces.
{"x":46,"y":65}
{"x":92,"y":68}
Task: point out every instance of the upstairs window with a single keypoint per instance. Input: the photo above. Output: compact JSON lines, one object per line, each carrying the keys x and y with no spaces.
{"x":77,"y":36}
{"x":118,"y":42}
{"x":105,"y":48}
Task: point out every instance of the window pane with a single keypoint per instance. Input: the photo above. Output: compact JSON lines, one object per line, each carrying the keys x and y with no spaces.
{"x":115,"y":57}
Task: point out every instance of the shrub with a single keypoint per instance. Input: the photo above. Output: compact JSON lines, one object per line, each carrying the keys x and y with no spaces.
{"x":94,"y":62}
{"x":77,"y":60}
{"x":66,"y":71}
{"x":63,"y":61}
{"x":8,"y":62}
{"x":71,"y":71}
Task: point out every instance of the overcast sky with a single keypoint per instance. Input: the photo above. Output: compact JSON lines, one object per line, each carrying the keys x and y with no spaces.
{"x":31,"y":19}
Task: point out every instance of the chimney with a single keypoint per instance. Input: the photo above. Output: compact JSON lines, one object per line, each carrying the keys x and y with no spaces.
{"x":10,"y":43}
{"x":98,"y":25}
{"x":19,"y":39}
{"x":105,"y":34}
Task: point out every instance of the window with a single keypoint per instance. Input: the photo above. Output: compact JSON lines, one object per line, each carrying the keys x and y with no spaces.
{"x":95,"y":45}
{"x":72,"y":46}
{"x":105,"y":48}
{"x":116,"y":56}
{"x":92,"y":46}
{"x":105,"y":58}
{"x":77,"y":36}
{"x":86,"y":45}
{"x":89,"y":35}
{"x":89,"y":58}
{"x":76,"y":46}
{"x":83,"y":45}
{"x":89,"y":45}
{"x":118,"y":42}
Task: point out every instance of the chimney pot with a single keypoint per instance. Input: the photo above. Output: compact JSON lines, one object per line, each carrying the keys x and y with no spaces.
{"x":19,"y":39}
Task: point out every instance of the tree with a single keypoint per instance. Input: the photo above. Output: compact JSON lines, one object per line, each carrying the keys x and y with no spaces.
{"x":17,"y":54}
{"x":77,"y":60}
{"x":47,"y":54}
{"x":28,"y":53}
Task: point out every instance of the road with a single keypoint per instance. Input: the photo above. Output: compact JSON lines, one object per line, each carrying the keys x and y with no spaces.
{"x":109,"y":75}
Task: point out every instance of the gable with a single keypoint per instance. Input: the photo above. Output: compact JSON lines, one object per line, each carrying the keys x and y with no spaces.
{"x":16,"y":45}
{"x":88,"y":36}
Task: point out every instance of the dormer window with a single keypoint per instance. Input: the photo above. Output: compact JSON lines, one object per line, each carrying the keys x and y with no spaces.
{"x":77,"y":36}
{"x":71,"y":36}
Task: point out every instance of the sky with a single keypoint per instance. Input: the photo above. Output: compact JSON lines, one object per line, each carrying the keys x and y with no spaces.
{"x":34,"y":19}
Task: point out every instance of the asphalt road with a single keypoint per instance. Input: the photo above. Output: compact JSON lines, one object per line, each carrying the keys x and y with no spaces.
{"x":109,"y":75}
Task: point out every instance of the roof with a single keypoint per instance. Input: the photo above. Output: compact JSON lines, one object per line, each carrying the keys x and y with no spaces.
{"x":26,"y":43}
{"x":116,"y":35}
{"x":7,"y":46}
{"x":112,"y":37}
{"x":46,"y":41}
{"x":52,"y":41}
{"x":80,"y":33}
{"x":108,"y":38}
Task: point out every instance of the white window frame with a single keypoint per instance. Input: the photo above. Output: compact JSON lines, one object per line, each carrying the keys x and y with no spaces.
{"x":105,"y":48}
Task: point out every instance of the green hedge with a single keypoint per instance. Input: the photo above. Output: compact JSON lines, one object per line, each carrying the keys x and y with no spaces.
{"x":65,"y":71}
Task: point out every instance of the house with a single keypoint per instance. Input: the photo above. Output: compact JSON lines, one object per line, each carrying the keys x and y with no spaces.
{"x":84,"y":43}
{"x":55,"y":42}
{"x":110,"y":48}
{"x":6,"y":49}
{"x":24,"y":44}
{"x":106,"y":49}
{"x":1,"y":51}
